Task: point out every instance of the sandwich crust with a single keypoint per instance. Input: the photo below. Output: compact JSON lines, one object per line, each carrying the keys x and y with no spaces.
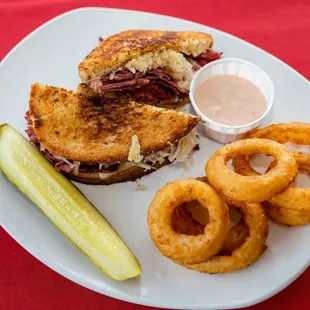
{"x":116,"y":50}
{"x":95,"y":131}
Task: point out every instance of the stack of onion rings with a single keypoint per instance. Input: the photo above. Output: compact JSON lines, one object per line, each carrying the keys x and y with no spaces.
{"x":245,"y":242}
{"x":189,"y":219}
{"x":183,"y":223}
{"x":201,"y":240}
{"x":243,"y":253}
{"x":177,"y":235}
{"x":292,"y":206}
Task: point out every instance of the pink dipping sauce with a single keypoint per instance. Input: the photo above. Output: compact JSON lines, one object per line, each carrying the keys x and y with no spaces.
{"x":230,"y":100}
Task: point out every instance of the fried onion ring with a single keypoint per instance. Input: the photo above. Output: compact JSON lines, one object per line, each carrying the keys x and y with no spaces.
{"x":184,"y":248}
{"x":190,"y":223}
{"x":259,"y":188}
{"x":254,"y":246}
{"x":236,"y":237}
{"x":291,"y":207}
{"x":183,"y":222}
{"x":297,"y":133}
{"x":198,"y":213}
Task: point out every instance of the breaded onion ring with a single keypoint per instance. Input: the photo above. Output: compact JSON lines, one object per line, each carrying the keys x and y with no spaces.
{"x":254,"y":246}
{"x":291,"y":207}
{"x":236,"y":237}
{"x":188,"y":249}
{"x":297,"y":133}
{"x":259,"y":188}
{"x":191,"y":220}
{"x":182,"y":222}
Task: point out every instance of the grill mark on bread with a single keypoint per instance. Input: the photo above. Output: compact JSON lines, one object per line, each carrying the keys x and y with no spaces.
{"x":37,"y":123}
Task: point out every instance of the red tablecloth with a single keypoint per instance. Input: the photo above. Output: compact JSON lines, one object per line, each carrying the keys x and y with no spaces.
{"x":279,"y":26}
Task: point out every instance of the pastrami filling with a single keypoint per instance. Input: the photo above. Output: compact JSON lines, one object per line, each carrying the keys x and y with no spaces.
{"x":153,"y":85}
{"x":205,"y":58}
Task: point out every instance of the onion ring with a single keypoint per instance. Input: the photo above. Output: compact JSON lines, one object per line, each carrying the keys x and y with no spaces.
{"x":297,"y":133}
{"x":188,"y":249}
{"x":182,"y":222}
{"x":259,"y":188}
{"x":197,"y":212}
{"x":193,"y":223}
{"x":249,"y":252}
{"x":236,"y":237}
{"x":291,"y":207}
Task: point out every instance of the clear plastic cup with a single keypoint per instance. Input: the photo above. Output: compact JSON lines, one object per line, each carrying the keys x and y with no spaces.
{"x":225,"y":133}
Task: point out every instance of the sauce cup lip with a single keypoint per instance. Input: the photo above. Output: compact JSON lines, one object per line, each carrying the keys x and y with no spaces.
{"x":213,"y":63}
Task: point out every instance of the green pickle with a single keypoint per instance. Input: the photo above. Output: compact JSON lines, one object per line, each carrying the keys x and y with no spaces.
{"x":65,"y":206}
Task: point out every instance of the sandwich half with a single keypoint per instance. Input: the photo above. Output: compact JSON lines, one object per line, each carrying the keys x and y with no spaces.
{"x":105,"y":142}
{"x":151,"y":66}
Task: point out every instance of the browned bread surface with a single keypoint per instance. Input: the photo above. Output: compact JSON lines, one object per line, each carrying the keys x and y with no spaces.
{"x":72,"y":126}
{"x":116,"y":50}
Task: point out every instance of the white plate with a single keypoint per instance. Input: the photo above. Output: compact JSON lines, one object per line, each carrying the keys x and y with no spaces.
{"x":50,"y":55}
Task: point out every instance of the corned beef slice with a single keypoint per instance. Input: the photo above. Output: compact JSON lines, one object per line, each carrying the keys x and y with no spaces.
{"x":155,"y":84}
{"x":146,"y":85}
{"x":208,"y":56}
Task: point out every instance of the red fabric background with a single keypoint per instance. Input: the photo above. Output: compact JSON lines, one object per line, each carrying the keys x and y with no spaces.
{"x":280,"y":26}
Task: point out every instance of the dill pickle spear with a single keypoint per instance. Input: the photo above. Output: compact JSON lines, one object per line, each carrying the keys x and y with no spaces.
{"x":65,"y":205}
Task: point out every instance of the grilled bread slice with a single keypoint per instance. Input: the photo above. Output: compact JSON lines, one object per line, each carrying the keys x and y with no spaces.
{"x":76,"y":129}
{"x":117,"y":50}
{"x":149,"y":66}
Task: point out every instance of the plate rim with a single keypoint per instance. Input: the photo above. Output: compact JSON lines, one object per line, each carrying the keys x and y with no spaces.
{"x":118,"y":295}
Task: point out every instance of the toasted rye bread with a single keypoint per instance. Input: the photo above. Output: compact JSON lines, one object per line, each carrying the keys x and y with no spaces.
{"x":76,"y":128}
{"x":88,"y":92}
{"x":120,"y":48}
{"x":130,"y":174}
